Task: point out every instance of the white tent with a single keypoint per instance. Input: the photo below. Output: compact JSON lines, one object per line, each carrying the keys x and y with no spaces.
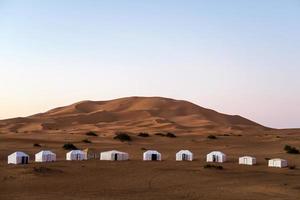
{"x":18,"y":158}
{"x":45,"y":156}
{"x":76,"y":155}
{"x":247,"y":160}
{"x":114,"y":155}
{"x":277,"y":162}
{"x":152,"y":155}
{"x":216,"y":156}
{"x":184,"y":155}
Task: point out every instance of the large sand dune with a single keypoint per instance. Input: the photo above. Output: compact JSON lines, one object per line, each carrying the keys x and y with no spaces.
{"x":131,"y":114}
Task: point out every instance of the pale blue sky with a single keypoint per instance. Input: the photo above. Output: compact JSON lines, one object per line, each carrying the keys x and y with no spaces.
{"x":237,"y":57}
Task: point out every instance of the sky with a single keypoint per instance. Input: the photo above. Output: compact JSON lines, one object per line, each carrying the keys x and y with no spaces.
{"x":235,"y":56}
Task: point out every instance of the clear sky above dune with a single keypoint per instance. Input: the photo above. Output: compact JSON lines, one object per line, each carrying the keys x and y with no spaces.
{"x":237,"y":57}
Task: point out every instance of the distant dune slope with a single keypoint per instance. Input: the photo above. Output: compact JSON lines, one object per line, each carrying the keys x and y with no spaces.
{"x":130,"y":114}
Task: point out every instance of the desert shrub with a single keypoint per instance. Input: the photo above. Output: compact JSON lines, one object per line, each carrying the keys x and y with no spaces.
{"x":144,"y":134}
{"x":291,"y":150}
{"x":160,"y":134}
{"x":292,"y":167}
{"x":36,"y":145}
{"x":226,"y":134}
{"x":91,"y":133}
{"x":212,"y":137}
{"x":69,"y":146}
{"x":267,"y":159}
{"x":144,"y":149}
{"x":86,"y":141}
{"x":210,"y":166}
{"x":171,"y":135}
{"x":122,"y":137}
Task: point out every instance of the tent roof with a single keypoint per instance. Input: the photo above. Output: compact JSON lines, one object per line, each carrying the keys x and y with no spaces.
{"x":277,"y":159}
{"x":19,"y":154}
{"x":46,"y":152}
{"x":185,"y":151}
{"x":76,"y":152}
{"x":151,"y":152}
{"x":217,"y":152}
{"x":114,"y":151}
{"x":247,"y":157}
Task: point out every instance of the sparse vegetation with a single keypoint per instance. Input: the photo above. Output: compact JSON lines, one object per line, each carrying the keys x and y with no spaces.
{"x":169,"y":134}
{"x":212,"y":137}
{"x":144,"y":149}
{"x":291,"y":150}
{"x":69,"y":146}
{"x":36,"y":145}
{"x":292,"y":167}
{"x":160,"y":134}
{"x":86,"y":141}
{"x":91,"y":133}
{"x":143,"y":134}
{"x":267,"y":159}
{"x":123,"y":137}
{"x":210,"y":166}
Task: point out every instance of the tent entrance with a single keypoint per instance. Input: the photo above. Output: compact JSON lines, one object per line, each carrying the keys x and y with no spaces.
{"x":153,"y":157}
{"x":115,"y":156}
{"x":24,"y":160}
{"x":215,"y":158}
{"x":184,"y":156}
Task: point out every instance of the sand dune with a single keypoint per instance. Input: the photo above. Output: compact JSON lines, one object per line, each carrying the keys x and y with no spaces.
{"x":131,"y":114}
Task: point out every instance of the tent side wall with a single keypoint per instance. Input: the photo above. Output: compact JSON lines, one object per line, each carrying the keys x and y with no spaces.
{"x":105,"y":156}
{"x":11,"y":159}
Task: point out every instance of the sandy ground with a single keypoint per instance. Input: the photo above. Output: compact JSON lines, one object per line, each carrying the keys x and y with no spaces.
{"x":137,"y":179}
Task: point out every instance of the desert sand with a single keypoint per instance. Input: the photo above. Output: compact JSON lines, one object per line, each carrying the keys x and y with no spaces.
{"x":137,"y":179}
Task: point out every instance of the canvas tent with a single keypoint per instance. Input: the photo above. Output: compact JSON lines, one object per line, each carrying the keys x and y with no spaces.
{"x":114,"y":155}
{"x":45,"y":156}
{"x":18,"y":158}
{"x":152,"y":155}
{"x":277,"y":162}
{"x":184,"y":155}
{"x":216,"y":156}
{"x":76,"y":155}
{"x":247,"y":160}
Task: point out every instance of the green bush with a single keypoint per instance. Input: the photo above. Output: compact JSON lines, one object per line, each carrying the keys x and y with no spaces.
{"x":160,"y":134}
{"x":123,"y":137}
{"x":291,"y":150}
{"x":36,"y":145}
{"x":171,"y":135}
{"x":91,"y":133}
{"x":210,"y":166}
{"x":69,"y":146}
{"x":212,"y":137}
{"x":86,"y":141}
{"x":144,"y":134}
{"x":292,"y":167}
